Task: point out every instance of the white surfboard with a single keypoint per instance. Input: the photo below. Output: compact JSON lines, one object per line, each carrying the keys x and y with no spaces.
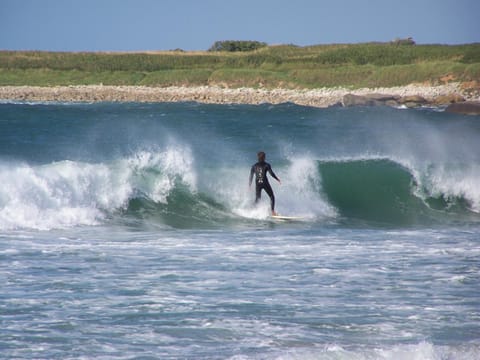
{"x":286,"y":218}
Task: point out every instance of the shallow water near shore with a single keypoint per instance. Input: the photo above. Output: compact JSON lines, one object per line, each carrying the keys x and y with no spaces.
{"x":128,"y":231}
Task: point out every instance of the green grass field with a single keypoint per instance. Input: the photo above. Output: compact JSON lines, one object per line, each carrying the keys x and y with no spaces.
{"x":286,"y":66}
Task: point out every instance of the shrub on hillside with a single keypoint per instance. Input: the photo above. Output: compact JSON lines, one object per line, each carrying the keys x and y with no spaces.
{"x":407,"y":41}
{"x":234,"y":45}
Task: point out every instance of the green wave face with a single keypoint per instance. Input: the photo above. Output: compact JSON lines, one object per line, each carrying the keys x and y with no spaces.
{"x":384,"y":191}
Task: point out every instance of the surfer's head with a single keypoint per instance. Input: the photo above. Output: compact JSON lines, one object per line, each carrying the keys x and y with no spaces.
{"x":261,"y":156}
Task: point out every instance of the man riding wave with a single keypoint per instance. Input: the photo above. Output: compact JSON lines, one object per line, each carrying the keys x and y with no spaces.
{"x":260,"y":169}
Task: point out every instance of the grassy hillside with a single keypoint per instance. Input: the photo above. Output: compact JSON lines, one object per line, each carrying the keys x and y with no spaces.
{"x":288,"y":66}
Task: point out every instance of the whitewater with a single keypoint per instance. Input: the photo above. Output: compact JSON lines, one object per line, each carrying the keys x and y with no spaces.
{"x":128,"y":230}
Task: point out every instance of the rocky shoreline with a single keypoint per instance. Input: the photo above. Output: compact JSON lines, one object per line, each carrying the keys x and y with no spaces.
{"x":409,"y":96}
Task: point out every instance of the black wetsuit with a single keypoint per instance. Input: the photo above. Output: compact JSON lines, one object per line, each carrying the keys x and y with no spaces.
{"x":260,"y":170}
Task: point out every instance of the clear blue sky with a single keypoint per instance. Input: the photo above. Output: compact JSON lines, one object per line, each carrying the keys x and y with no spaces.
{"x":122,"y":25}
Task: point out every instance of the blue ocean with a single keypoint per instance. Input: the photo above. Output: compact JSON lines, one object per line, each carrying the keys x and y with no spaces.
{"x":129,"y":231}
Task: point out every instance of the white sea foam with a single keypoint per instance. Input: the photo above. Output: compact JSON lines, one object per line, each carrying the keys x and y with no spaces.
{"x":55,"y":195}
{"x":302,"y":190}
{"x":165,"y":168}
{"x":449,"y":181}
{"x":68,"y":193}
{"x":453,"y":182}
{"x":420,"y":351}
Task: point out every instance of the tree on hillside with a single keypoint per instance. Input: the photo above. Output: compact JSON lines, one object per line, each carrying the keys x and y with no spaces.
{"x":236,"y":45}
{"x":407,"y":41}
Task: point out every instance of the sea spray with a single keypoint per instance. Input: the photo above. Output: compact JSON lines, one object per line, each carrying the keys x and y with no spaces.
{"x":68,"y":193}
{"x":58,"y":195}
{"x":452,"y":183}
{"x":156,"y":173}
{"x":301,"y":192}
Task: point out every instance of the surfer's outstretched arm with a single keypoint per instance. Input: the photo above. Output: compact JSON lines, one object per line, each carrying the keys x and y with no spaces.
{"x":273,"y":174}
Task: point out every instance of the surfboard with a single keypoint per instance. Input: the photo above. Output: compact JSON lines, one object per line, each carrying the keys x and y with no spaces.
{"x":286,"y":218}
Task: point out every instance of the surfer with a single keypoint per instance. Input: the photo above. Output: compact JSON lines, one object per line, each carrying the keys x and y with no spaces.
{"x":260,"y":170}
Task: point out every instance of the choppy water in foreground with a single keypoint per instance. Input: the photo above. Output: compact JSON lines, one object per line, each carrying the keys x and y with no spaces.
{"x":128,"y":231}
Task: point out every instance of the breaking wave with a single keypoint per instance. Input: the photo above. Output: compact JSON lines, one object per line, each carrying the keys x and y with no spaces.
{"x":166,"y":187}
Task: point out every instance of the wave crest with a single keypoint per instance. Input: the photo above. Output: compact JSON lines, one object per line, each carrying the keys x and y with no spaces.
{"x":69,"y":193}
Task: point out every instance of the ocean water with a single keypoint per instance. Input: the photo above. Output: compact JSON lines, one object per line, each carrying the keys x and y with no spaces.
{"x":128,"y":231}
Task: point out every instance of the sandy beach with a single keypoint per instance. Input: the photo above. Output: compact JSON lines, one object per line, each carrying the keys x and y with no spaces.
{"x":411,"y":95}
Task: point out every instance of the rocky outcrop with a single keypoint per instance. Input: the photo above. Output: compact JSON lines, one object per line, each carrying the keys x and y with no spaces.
{"x":370,"y":100}
{"x":413,"y":101}
{"x":448,"y":99}
{"x":410,"y":101}
{"x":467,"y":108}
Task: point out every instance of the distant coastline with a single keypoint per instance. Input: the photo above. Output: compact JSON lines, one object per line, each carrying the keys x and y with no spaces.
{"x":398,"y":74}
{"x":406,"y":96}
